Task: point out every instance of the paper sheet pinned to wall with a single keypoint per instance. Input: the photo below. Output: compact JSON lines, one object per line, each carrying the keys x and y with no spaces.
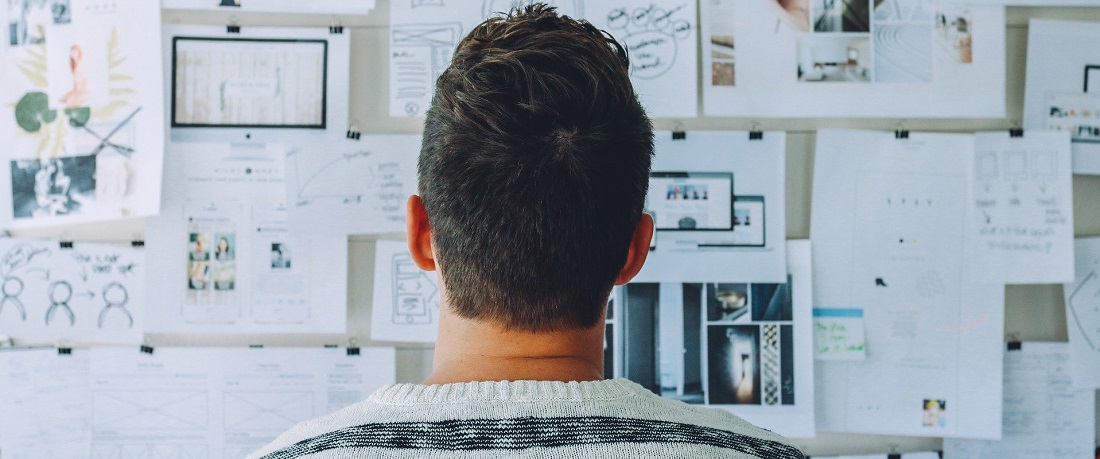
{"x":739,"y":345}
{"x":1046,"y":414}
{"x":839,"y":334}
{"x":45,"y":411}
{"x":228,"y":261}
{"x":82,"y":101}
{"x":820,"y":58}
{"x":890,"y":237}
{"x":406,"y":300}
{"x":718,"y":202}
{"x":351,"y":187}
{"x":1023,"y":218}
{"x":1063,"y":86}
{"x":90,"y":293}
{"x":659,"y":34}
{"x":1083,"y":314}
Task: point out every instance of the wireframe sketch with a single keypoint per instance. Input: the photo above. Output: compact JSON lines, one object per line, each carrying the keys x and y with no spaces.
{"x":150,"y":410}
{"x":652,"y":36}
{"x":415,"y":294}
{"x":249,"y":83}
{"x":419,"y":55}
{"x":269,"y":411}
{"x":1084,"y":309}
{"x":165,"y":451}
{"x":80,"y":292}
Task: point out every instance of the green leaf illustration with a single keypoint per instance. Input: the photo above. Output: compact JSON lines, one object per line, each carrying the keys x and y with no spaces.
{"x":78,"y":116}
{"x":33,"y":110}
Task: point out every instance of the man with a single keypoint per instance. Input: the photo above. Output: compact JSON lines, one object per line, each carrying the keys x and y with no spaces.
{"x":533,"y":173}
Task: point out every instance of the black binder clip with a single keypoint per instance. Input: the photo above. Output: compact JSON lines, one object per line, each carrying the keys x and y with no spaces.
{"x":146,"y":349}
{"x":336,"y":29}
{"x":233,"y":27}
{"x":64,"y":351}
{"x":1016,"y":131}
{"x":893,"y":456}
{"x":1015,"y":345}
{"x":137,"y":244}
{"x":353,"y":131}
{"x":678,"y":132}
{"x":755,"y":133}
{"x":331,"y":346}
{"x":353,"y":351}
{"x":65,"y":244}
{"x":353,"y":346}
{"x":901,"y":132}
{"x":255,"y":346}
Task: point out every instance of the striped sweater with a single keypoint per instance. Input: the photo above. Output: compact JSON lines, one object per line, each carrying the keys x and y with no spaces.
{"x":531,"y":419}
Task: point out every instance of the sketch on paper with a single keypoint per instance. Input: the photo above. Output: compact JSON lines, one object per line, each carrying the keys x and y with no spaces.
{"x":83,"y":292}
{"x":344,"y":187}
{"x":270,"y":411}
{"x":419,"y":55}
{"x":406,"y":300}
{"x":77,"y":106}
{"x":1084,"y":309}
{"x":652,"y":37}
{"x":415,"y":295}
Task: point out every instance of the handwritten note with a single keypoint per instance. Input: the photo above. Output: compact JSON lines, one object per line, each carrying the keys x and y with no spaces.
{"x":838,"y":334}
{"x":1022,"y":219}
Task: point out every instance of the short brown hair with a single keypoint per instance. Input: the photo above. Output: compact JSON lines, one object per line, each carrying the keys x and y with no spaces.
{"x":534,"y":169}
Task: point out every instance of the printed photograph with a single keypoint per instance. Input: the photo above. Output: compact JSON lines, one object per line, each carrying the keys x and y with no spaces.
{"x":225,"y":261}
{"x":62,"y":14}
{"x":794,"y":13}
{"x":733,"y":364}
{"x":772,"y":302}
{"x":52,"y":187}
{"x":834,"y":58}
{"x":934,"y":413}
{"x":903,"y":11}
{"x":722,"y":74}
{"x":663,"y":349}
{"x":841,"y":15}
{"x":27,"y":21}
{"x":953,"y":39}
{"x":903,"y":53}
{"x":726,"y":302}
{"x":198,"y":275}
{"x":280,"y":255}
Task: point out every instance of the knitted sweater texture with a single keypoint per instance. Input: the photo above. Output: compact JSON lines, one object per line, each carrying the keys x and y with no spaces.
{"x":527,"y":419}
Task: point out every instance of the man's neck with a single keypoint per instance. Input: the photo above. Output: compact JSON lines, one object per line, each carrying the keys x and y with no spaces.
{"x":472,"y":350}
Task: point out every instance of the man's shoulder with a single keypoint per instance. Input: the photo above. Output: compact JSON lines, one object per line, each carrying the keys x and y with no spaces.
{"x":484,"y":425}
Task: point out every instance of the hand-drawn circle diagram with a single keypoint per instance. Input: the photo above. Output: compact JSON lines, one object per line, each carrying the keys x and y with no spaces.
{"x":115,"y":296}
{"x":651,"y":36}
{"x":571,"y":8}
{"x":60,"y":292}
{"x":12,"y":288}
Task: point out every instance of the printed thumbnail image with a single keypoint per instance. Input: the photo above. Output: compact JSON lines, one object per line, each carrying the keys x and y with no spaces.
{"x":734,"y":364}
{"x":934,"y":413}
{"x":225,"y":261}
{"x":726,"y":302}
{"x":841,"y":15}
{"x":772,"y":302}
{"x":903,"y":11}
{"x":834,"y":58}
{"x":280,"y":255}
{"x":663,"y":349}
{"x":51,"y":187}
{"x":198,"y":261}
{"x":954,"y":44}
{"x":903,"y":53}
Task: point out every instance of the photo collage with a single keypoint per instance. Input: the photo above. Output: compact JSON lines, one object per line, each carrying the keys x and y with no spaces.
{"x":706,"y":343}
{"x":211,"y":256}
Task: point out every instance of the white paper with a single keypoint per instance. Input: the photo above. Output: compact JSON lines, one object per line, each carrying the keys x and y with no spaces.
{"x":88,"y":293}
{"x":406,"y":299}
{"x":752,"y":249}
{"x":808,"y":58}
{"x":742,"y":346}
{"x":44,"y":411}
{"x":275,"y":6}
{"x":1031,"y":2}
{"x":220,"y":402}
{"x":1063,"y":86}
{"x":261,"y":84}
{"x":344,"y":187}
{"x":916,"y":455}
{"x":839,"y":334}
{"x":1083,"y":314}
{"x":1045,"y":415}
{"x":227,"y":261}
{"x":82,"y":85}
{"x":659,"y":34}
{"x":889,"y":232}
{"x":1023,"y":216}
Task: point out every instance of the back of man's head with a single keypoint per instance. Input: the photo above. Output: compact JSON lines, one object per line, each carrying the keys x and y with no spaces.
{"x":534,"y":170}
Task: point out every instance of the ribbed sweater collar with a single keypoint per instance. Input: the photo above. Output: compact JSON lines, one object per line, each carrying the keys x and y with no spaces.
{"x":507,"y":391}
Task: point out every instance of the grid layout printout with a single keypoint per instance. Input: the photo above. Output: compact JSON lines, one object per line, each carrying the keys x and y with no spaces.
{"x":111,"y":402}
{"x":853,"y":58}
{"x":82,"y":111}
{"x":659,"y":36}
{"x":890,"y":238}
{"x":742,"y":346}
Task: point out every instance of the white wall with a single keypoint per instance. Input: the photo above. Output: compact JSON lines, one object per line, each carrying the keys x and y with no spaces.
{"x":1033,"y":312}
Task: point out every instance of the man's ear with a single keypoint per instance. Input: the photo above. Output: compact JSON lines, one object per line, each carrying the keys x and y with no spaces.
{"x":638,"y":249}
{"x":419,"y":234}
